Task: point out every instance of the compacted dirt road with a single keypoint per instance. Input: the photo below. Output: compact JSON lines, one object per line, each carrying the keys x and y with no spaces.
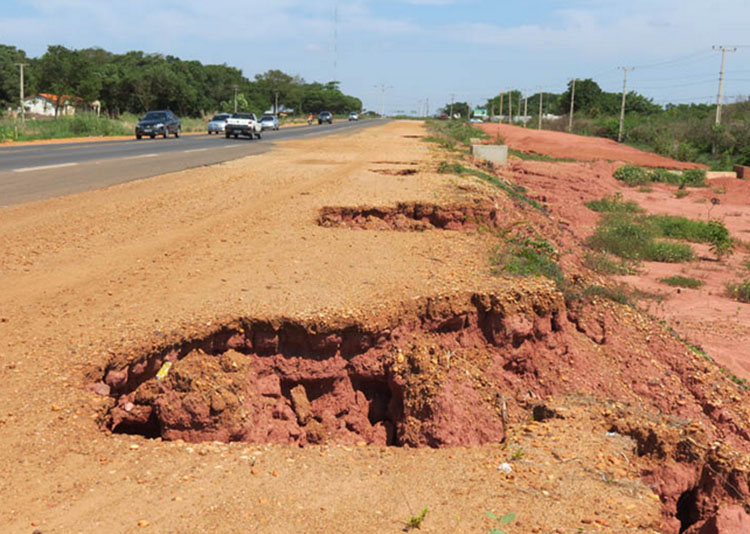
{"x":314,"y":340}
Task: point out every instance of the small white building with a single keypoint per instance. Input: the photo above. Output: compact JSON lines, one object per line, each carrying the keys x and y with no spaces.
{"x":44,"y":104}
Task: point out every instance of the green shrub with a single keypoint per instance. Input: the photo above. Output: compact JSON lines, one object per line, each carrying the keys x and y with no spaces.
{"x":617,"y":294}
{"x":665,"y":176}
{"x":739,"y":291}
{"x":668,"y":252}
{"x":526,"y":257}
{"x":613,"y":204}
{"x":622,"y":236}
{"x":694,"y":178}
{"x":634,"y":238}
{"x":632,"y":175}
{"x":682,"y":281}
{"x":602,"y":263}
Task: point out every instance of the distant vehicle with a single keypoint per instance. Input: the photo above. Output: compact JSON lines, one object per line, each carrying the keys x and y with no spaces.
{"x":269,"y":122}
{"x":155,"y":123}
{"x":476,"y":120}
{"x":243,"y":124}
{"x":217,"y":123}
{"x":353,"y":116}
{"x":325,"y":116}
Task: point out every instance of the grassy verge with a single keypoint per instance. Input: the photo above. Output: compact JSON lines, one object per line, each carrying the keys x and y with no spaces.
{"x":516,"y":192}
{"x":682,"y":281}
{"x":81,"y":125}
{"x":455,"y":131}
{"x":532,"y":156}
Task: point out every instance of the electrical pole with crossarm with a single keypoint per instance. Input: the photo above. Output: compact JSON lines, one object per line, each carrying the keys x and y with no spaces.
{"x":20,"y":91}
{"x":719,"y":97}
{"x":622,"y":105}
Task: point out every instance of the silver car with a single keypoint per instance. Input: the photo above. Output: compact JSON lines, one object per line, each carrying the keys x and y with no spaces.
{"x":218,"y":123}
{"x":269,"y":122}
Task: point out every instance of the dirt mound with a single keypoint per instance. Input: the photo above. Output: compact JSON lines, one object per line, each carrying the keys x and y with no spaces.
{"x":414,"y":216}
{"x":579,"y":147}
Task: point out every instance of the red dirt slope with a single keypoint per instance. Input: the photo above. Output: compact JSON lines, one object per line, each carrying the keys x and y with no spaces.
{"x":579,"y":147}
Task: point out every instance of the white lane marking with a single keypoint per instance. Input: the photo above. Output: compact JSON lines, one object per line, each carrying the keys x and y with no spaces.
{"x":195,"y":150}
{"x":232,"y":146}
{"x":138,"y":157}
{"x":43,"y":167}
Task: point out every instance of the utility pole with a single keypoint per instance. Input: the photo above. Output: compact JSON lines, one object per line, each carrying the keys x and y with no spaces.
{"x":427,"y":108}
{"x":625,"y":70}
{"x":519,"y":102}
{"x":453,"y":96}
{"x":541,"y":99}
{"x":723,"y":50}
{"x":502,"y":93}
{"x":276,"y":105}
{"x":383,"y":88}
{"x":235,"y":87}
{"x":20,"y":91}
{"x":510,"y":106}
{"x":572,"y":105}
{"x":525,"y":107}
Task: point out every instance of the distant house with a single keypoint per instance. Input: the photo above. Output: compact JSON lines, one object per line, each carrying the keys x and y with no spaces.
{"x":44,"y":104}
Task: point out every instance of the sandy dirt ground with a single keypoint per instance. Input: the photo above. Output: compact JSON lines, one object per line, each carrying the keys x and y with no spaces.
{"x":91,"y":276}
{"x":578,"y":147}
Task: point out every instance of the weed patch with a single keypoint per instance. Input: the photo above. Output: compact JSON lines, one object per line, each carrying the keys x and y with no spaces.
{"x":633,"y":175}
{"x":635,"y":237}
{"x":526,"y":257}
{"x":416,"y":520}
{"x":739,"y":291}
{"x":615,"y":294}
{"x":454,"y":131}
{"x":604,"y":263}
{"x":682,"y":281}
{"x":533,"y":156}
{"x":614,"y":204}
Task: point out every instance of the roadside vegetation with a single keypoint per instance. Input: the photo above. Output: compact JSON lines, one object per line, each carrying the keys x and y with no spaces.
{"x":624,"y":231}
{"x":632,"y":175}
{"x":686,"y":132}
{"x":127,"y":85}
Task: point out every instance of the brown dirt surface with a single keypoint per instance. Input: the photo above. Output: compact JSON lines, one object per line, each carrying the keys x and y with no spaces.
{"x":298,"y":342}
{"x":578,"y":147}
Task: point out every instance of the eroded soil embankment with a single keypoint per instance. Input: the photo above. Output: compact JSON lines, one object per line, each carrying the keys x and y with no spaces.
{"x":415,"y":381}
{"x":450,"y":371}
{"x":413,"y":216}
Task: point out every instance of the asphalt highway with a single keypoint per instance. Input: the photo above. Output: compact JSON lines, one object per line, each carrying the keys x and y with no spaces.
{"x":40,"y":171}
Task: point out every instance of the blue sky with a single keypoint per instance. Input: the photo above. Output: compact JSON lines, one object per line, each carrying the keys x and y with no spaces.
{"x":419,"y":49}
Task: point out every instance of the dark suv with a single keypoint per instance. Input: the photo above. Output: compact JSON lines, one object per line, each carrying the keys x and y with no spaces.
{"x":325,"y":116}
{"x":156,"y":123}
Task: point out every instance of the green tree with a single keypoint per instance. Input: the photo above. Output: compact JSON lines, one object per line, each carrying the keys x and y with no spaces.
{"x":10,"y":56}
{"x":68,"y":74}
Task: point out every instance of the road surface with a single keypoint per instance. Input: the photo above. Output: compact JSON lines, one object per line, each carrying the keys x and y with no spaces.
{"x":36,"y":172}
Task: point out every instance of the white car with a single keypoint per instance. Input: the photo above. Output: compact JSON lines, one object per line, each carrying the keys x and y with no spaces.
{"x":269,"y":122}
{"x":243,"y":124}
{"x":218,"y":123}
{"x":353,"y":116}
{"x":476,"y":120}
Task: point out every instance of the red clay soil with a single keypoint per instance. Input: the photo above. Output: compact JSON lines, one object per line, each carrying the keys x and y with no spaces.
{"x":705,"y":316}
{"x":578,"y":147}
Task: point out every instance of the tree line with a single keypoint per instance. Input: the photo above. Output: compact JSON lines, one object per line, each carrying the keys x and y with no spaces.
{"x":136,"y":82}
